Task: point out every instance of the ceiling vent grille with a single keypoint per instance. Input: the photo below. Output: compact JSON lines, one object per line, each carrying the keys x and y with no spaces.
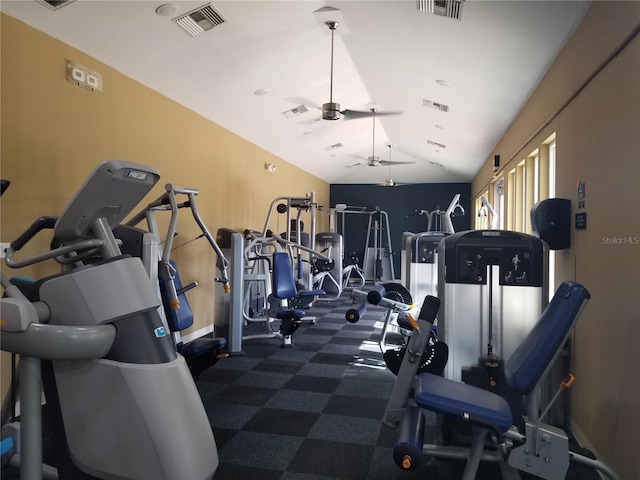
{"x":199,"y":20}
{"x":55,"y":4}
{"x":296,"y":111}
{"x":435,"y":105}
{"x":442,"y":8}
{"x":335,"y":146}
{"x":436,"y":144}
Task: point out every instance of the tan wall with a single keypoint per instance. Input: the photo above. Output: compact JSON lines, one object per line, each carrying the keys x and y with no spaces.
{"x":598,"y":142}
{"x":54,"y":133}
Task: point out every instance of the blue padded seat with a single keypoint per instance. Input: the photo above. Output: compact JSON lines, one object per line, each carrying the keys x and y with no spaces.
{"x":440,"y":395}
{"x":284,"y":287}
{"x":288,"y":314}
{"x":523,"y":370}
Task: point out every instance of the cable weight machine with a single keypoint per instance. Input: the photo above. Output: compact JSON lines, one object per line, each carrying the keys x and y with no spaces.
{"x":377,"y":265}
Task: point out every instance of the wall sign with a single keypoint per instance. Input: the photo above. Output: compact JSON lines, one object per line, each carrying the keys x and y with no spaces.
{"x":581,"y":221}
{"x":581,"y":194}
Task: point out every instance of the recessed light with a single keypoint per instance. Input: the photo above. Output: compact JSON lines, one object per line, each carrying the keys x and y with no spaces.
{"x":261,"y":92}
{"x":167,"y":9}
{"x":443,"y":83}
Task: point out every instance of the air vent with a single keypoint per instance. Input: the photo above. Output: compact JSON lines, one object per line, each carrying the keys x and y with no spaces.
{"x":335,"y":146}
{"x":199,"y":20}
{"x":296,"y":111}
{"x":436,"y":144}
{"x":55,"y":4}
{"x":442,"y":8}
{"x":435,"y":105}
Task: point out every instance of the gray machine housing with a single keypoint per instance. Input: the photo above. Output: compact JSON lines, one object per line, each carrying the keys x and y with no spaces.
{"x":421,"y":259}
{"x":493,"y":288}
{"x":229,"y":319}
{"x":111,"y":408}
{"x":134,"y":413}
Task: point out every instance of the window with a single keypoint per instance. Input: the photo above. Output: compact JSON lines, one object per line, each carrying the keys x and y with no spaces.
{"x":526,"y":181}
{"x":551,"y":148}
{"x":499,"y":195}
{"x":552,"y":168}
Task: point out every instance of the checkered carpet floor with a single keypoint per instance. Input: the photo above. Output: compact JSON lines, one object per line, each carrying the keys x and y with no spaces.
{"x":314,"y":411}
{"x":311,"y":411}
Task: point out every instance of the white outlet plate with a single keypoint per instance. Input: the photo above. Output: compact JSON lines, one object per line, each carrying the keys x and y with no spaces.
{"x":94,"y":81}
{"x":84,"y":77}
{"x":3,"y":248}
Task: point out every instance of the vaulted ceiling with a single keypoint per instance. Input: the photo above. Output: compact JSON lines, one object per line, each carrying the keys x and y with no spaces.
{"x":263,"y":71}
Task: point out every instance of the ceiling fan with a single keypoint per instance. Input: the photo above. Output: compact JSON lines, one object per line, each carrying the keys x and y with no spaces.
{"x":331,"y":110}
{"x":374,"y":160}
{"x":389,"y":181}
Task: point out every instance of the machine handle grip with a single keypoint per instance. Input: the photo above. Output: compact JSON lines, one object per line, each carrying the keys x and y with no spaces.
{"x":413,"y":322}
{"x":567,"y":382}
{"x":186,"y":288}
{"x":40,"y":224}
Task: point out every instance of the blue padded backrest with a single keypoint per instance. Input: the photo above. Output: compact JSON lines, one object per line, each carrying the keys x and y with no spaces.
{"x":531,"y":360}
{"x":284,"y":283}
{"x":182,"y":318}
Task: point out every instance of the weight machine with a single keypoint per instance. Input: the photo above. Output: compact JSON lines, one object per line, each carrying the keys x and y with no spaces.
{"x":301,"y":257}
{"x":420,"y":250}
{"x":526,"y":442}
{"x":439,"y":220}
{"x":203,"y":352}
{"x":377,"y":265}
{"x":250,"y":257}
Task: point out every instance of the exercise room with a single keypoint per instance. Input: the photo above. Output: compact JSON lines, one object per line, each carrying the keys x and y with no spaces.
{"x":320,"y":240}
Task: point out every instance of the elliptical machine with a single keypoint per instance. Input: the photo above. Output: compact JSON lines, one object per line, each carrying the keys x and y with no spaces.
{"x":128,"y":403}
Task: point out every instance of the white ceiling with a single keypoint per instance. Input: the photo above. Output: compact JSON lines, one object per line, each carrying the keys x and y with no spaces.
{"x":386,"y":54}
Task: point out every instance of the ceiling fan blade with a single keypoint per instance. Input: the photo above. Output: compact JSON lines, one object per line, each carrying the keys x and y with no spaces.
{"x":355,"y":114}
{"x":387,"y":183}
{"x":387,"y":162}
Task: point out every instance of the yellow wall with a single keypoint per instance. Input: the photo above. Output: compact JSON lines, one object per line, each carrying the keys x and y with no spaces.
{"x":598,"y":142}
{"x":54,"y":133}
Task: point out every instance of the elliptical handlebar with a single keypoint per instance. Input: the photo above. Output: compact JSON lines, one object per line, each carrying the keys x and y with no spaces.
{"x":59,"y":254}
{"x":36,"y":227}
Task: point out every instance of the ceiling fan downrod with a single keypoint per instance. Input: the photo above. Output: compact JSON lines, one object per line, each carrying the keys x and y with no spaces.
{"x":331,"y":111}
{"x":373,"y":160}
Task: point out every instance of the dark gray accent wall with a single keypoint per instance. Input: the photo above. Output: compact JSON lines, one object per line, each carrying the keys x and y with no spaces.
{"x":401,"y":204}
